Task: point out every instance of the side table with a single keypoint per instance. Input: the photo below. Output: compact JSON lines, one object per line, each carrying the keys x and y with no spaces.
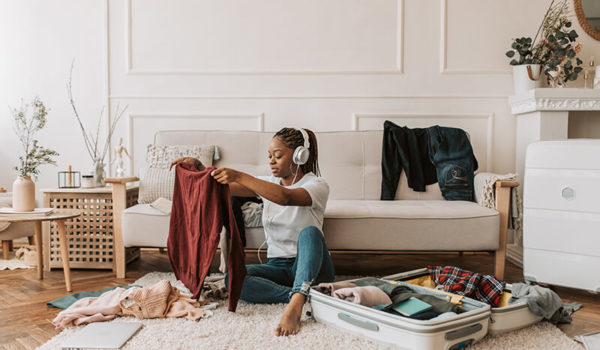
{"x":59,"y":217}
{"x":91,"y":239}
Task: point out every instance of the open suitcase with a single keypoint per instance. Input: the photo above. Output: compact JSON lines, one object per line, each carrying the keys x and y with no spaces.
{"x":502,"y":319}
{"x":449,"y":333}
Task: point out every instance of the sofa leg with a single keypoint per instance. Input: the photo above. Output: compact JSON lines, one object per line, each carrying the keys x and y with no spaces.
{"x":502,"y":206}
{"x":5,"y":249}
{"x":119,"y":194}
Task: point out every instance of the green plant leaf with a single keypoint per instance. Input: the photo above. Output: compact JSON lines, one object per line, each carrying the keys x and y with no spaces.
{"x":571,"y":53}
{"x":510,"y":53}
{"x":579,"y":61}
{"x":573,"y":35}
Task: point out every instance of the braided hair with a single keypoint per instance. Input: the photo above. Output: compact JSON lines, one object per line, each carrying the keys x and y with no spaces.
{"x":292,"y":138}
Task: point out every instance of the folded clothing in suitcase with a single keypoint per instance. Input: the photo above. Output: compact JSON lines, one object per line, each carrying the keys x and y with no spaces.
{"x":503,"y":318}
{"x":452,"y":331}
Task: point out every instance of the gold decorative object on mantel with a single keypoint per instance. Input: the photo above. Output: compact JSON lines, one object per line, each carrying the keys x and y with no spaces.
{"x":584,"y":18}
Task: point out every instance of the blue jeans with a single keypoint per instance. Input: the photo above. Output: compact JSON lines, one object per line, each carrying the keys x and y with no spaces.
{"x":452,"y":154}
{"x":279,"y":278}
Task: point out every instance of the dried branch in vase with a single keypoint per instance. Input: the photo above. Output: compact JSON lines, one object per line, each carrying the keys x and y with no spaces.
{"x":92,"y":141}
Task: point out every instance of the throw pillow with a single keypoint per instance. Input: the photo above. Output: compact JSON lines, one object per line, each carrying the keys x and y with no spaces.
{"x":157,"y":180}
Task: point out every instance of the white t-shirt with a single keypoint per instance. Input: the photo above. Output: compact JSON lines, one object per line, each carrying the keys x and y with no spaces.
{"x":283,"y":223}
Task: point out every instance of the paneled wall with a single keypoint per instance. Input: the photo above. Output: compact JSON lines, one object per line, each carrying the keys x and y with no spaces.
{"x":265,"y":64}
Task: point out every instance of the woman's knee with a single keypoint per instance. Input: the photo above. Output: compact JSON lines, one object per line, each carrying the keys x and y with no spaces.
{"x":310,"y":232}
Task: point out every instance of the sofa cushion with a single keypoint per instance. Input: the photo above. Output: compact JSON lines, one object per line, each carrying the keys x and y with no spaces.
{"x":157,"y":181}
{"x":410,"y":225}
{"x":352,"y":174}
{"x":360,"y":225}
{"x":144,"y":226}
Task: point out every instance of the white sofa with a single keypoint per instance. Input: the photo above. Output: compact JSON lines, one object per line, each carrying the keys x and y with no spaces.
{"x":355,"y":218}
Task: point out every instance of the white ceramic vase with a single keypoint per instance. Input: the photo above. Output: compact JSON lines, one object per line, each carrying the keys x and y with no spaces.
{"x":23,"y":192}
{"x":524,"y":80}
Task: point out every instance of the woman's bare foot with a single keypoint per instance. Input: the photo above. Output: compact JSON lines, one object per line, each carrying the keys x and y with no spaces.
{"x":290,"y":320}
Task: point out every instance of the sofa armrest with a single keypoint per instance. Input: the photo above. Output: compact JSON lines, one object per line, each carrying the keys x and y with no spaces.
{"x":506,"y":183}
{"x":502,"y":189}
{"x":121,"y":180}
{"x":119,"y":202}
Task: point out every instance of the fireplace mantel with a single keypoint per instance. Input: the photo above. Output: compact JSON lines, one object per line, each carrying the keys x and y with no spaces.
{"x":537,"y":100}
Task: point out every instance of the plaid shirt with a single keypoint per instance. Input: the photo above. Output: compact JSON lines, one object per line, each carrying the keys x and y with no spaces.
{"x":453,"y":279}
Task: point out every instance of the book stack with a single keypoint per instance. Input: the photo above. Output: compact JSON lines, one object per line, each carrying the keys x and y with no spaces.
{"x":37,"y":212}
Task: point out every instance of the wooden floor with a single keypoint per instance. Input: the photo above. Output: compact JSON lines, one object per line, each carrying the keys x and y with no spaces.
{"x":25,"y":320}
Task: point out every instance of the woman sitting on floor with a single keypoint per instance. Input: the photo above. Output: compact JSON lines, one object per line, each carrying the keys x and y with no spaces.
{"x":294,"y":198}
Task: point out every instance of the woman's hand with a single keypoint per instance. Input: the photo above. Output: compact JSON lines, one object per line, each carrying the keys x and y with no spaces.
{"x":225,"y":176}
{"x":193,"y":161}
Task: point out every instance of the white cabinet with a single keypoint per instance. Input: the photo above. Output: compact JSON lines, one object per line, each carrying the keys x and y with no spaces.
{"x":561,"y":213}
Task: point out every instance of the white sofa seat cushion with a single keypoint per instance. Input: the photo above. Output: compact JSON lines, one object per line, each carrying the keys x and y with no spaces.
{"x":360,"y":225}
{"x":144,"y":226}
{"x":410,"y":225}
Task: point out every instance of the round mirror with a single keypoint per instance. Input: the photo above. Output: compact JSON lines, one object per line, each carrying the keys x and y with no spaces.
{"x":588,"y":15}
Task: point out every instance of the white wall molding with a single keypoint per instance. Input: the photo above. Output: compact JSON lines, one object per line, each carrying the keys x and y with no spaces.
{"x":487,"y":117}
{"x":131,"y":118}
{"x":106,"y":67}
{"x":298,"y":97}
{"x":398,"y":69}
{"x":444,"y":69}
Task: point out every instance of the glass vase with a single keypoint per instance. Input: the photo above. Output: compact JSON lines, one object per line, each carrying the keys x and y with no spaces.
{"x":98,"y":173}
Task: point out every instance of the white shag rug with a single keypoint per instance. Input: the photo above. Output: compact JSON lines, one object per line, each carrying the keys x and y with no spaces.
{"x":252,"y":327}
{"x":13,"y":263}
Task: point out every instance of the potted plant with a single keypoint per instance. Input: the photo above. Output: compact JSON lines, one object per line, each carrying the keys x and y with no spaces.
{"x":553,"y":55}
{"x":35,"y":155}
{"x":526,"y":69}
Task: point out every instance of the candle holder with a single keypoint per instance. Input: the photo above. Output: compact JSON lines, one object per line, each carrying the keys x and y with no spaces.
{"x":69,"y":179}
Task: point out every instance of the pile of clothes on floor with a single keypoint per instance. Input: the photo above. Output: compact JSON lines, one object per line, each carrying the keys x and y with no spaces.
{"x":161,"y":300}
{"x":449,"y":285}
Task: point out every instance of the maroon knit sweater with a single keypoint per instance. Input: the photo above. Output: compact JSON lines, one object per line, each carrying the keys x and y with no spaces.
{"x":201,"y":207}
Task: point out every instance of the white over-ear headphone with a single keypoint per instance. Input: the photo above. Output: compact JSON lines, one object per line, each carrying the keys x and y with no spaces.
{"x":301,"y":153}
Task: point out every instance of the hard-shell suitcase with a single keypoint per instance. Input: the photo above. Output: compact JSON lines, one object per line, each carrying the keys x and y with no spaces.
{"x":502,"y":319}
{"x":449,"y":333}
